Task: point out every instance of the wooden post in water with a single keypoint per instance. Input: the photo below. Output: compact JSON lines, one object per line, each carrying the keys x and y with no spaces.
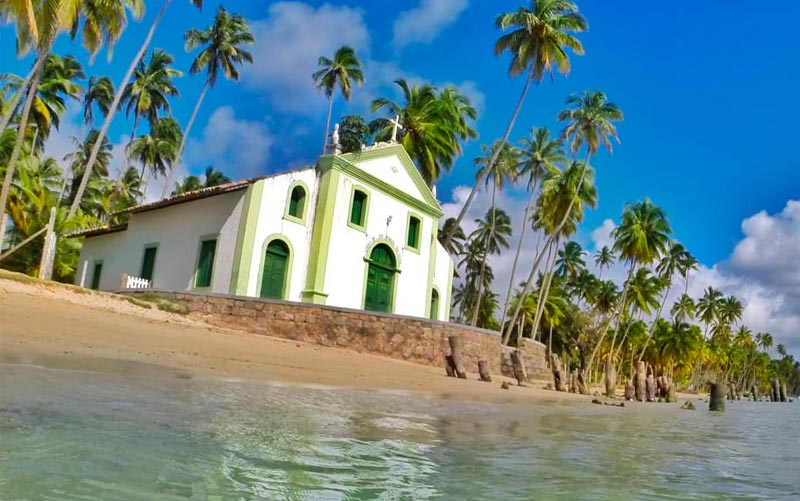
{"x":754,"y":393}
{"x":518,"y":362}
{"x":630,"y":391}
{"x":640,"y":382}
{"x":716,"y":400}
{"x":455,"y":352}
{"x":783,"y":392}
{"x":776,"y":393}
{"x":483,"y":371}
{"x":610,"y":378}
{"x":555,"y":365}
{"x":650,"y":388}
{"x":671,"y":391}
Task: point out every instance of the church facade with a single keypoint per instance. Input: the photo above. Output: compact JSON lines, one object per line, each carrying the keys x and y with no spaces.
{"x":357,"y":230}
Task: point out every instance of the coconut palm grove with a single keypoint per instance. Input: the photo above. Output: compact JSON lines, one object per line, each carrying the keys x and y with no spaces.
{"x":600,"y":328}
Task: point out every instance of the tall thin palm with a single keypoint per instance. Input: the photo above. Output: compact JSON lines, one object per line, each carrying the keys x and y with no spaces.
{"x":604,"y":258}
{"x":538,"y":43}
{"x":223,"y":50}
{"x":541,"y":157}
{"x":492,"y":235}
{"x":341,"y":71}
{"x":708,"y":307}
{"x":118,"y":98}
{"x":503,"y":172}
{"x":590,"y":122}
{"x":158,"y":150}
{"x":149,"y":91}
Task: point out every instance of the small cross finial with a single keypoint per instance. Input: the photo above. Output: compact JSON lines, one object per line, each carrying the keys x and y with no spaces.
{"x":396,"y":125}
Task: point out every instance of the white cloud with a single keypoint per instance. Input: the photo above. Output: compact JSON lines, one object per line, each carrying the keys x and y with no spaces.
{"x":601,"y":236}
{"x":424,"y":23}
{"x":239,"y":148}
{"x":288,"y":44}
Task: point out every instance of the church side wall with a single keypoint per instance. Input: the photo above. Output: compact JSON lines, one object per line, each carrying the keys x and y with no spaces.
{"x":345,"y":277}
{"x":272,"y":222}
{"x":443,"y":281}
{"x":177,"y":231}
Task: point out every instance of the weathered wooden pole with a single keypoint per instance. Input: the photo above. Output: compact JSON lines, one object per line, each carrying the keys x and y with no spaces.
{"x":449,"y":366}
{"x":640,"y":382}
{"x":754,"y":393}
{"x":483,"y":371}
{"x":630,"y":391}
{"x":573,"y":381}
{"x":783,"y":392}
{"x":776,"y":393}
{"x":48,"y":249}
{"x":610,"y":378}
{"x":650,"y":388}
{"x":716,"y":400}
{"x":455,"y":352}
{"x":518,"y":363}
{"x":671,"y":391}
{"x":555,"y":366}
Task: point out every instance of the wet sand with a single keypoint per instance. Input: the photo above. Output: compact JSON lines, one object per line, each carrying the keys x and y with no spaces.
{"x":52,"y":324}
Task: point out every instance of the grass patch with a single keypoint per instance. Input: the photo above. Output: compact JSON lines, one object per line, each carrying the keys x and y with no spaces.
{"x":164,"y":304}
{"x":137,"y":302}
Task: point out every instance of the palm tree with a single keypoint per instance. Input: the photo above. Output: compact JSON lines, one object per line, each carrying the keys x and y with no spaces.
{"x":341,"y":71}
{"x":537,"y":43}
{"x":683,"y":309}
{"x":150,"y":90}
{"x":570,"y":261}
{"x":503,"y":171}
{"x":604,"y":258}
{"x":158,"y":150}
{"x":456,"y":244}
{"x":540,"y":157}
{"x":189,"y":183}
{"x":590,"y":122}
{"x":77,"y":159}
{"x":708,"y":307}
{"x":214,"y":177}
{"x":433,"y":124}
{"x":764,"y":340}
{"x":100,"y":93}
{"x":223,"y":49}
{"x":118,"y":98}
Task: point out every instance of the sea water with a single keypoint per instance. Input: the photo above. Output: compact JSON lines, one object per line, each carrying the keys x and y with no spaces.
{"x":119,"y":431}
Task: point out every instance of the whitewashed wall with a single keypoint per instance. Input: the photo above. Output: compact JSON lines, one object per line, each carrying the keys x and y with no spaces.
{"x":177,"y":230}
{"x":345,"y":272}
{"x":441,"y":280}
{"x":271,"y":221}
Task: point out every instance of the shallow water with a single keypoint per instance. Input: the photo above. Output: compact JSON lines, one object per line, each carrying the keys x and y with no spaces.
{"x":129,"y":431}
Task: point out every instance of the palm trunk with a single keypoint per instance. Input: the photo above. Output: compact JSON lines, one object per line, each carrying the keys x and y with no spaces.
{"x":327,"y":123}
{"x":485,"y":256}
{"x":538,"y":261}
{"x":113,"y":110}
{"x":17,"y":150}
{"x":623,"y":297}
{"x":545,"y":290}
{"x":653,"y":325}
{"x":516,"y":255}
{"x":14,"y":104}
{"x":449,"y":235}
{"x":184,"y":138}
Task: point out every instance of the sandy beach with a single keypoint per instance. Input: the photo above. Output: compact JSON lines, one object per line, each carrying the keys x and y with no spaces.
{"x":49,"y":323}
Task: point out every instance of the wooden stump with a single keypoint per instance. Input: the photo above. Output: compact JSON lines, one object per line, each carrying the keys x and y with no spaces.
{"x":776,"y":392}
{"x":583,"y":388}
{"x":640,"y":382}
{"x":518,"y":362}
{"x":630,"y":391}
{"x":455,"y":352}
{"x":671,"y":392}
{"x":573,"y":381}
{"x":716,"y":401}
{"x":483,"y":371}
{"x":754,"y":393}
{"x":783,"y":392}
{"x":449,"y":366}
{"x":555,"y":366}
{"x":650,"y":388}
{"x":610,"y":379}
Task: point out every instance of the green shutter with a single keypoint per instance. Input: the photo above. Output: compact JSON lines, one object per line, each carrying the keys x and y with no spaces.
{"x":273,"y":277}
{"x":357,"y":212}
{"x":297,"y":202}
{"x":434,"y":305}
{"x":205,"y":264}
{"x":98,"y":270}
{"x":148,"y":263}
{"x":412,"y":240}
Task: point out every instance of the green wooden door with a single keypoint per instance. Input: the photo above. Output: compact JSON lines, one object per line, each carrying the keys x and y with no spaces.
{"x":380,"y":280}
{"x":148,"y":263}
{"x":273,"y":277}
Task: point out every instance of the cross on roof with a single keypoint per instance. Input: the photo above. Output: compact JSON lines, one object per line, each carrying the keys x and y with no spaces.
{"x":396,"y":124}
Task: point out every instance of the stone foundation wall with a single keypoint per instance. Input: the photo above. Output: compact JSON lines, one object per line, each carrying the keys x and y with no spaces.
{"x":407,"y":338}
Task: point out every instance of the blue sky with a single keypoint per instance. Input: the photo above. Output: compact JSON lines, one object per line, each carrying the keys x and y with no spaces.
{"x":707,"y":89}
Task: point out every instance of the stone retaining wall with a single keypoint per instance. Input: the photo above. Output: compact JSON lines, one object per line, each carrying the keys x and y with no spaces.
{"x":407,"y":338}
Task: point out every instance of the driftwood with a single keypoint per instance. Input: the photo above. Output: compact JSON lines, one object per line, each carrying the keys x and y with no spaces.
{"x":640,"y":382}
{"x":455,"y":352}
{"x":716,"y":400}
{"x":483,"y":371}
{"x":518,"y":363}
{"x":555,"y":366}
{"x":610,"y":379}
{"x":650,"y":388}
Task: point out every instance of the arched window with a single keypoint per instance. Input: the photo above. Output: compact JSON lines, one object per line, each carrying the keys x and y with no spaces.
{"x":297,"y":202}
{"x":380,"y":279}
{"x":274,"y":274}
{"x":434,"y":305}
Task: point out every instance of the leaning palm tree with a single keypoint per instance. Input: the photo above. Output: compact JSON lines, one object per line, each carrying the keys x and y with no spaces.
{"x":77,"y":160}
{"x":118,"y":98}
{"x":157,"y":151}
{"x":504,"y":171}
{"x":591,"y":123}
{"x":149,"y":91}
{"x":99,"y":93}
{"x":456,"y":244}
{"x":223,"y":50}
{"x":604,"y":258}
{"x":538,"y":45}
{"x":434,"y":122}
{"x":541,"y":157}
{"x":341,"y":71}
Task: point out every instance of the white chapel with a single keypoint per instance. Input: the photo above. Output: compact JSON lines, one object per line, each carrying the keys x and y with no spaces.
{"x":357,"y":230}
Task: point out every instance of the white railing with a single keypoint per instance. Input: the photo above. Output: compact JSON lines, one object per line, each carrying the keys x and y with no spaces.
{"x":131,"y":282}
